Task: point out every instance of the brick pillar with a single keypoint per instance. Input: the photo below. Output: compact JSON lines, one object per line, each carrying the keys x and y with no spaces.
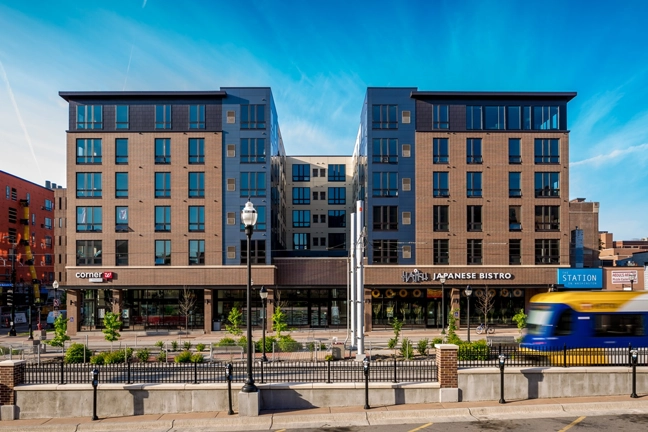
{"x":209,"y":309}
{"x":118,"y":298}
{"x":11,"y":374}
{"x":446,"y":360}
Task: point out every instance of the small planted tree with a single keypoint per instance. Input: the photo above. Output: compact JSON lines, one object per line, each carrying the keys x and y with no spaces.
{"x":452,"y":328}
{"x":112,"y":325}
{"x":397,"y":326}
{"x":235,"y":320}
{"x":279,"y":323}
{"x":60,"y":330}
{"x":485,"y":303}
{"x":520,"y":318}
{"x":186,"y":305}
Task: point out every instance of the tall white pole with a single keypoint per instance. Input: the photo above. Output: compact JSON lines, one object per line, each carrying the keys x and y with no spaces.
{"x":351,"y":300}
{"x":360,"y":279}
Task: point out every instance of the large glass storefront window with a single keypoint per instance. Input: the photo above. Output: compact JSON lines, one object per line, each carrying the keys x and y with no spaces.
{"x":503,"y":303}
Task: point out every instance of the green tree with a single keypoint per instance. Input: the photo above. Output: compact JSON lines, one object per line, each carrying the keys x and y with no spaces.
{"x":452,"y":328}
{"x":520,"y":319}
{"x":279,"y":321}
{"x":397,"y":326}
{"x":60,"y":330}
{"x":112,"y":325}
{"x":235,"y":319}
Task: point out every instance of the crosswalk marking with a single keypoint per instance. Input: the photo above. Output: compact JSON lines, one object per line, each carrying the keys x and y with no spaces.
{"x":572,"y":424}
{"x":420,"y":427}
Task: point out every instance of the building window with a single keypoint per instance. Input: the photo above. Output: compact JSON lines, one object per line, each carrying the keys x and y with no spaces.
{"x":121,"y":252}
{"x":7,"y":191}
{"x":515,"y":252}
{"x":162,"y":218}
{"x":88,"y":252}
{"x":48,"y":242}
{"x":515,"y":184}
{"x":322,"y":195}
{"x":196,"y":252}
{"x":261,"y":219}
{"x":253,"y":117}
{"x":315,"y":241}
{"x":547,"y":251}
{"x":196,"y":150}
{"x":546,"y":151}
{"x":474,"y":151}
{"x":441,"y":251}
{"x":315,"y":196}
{"x":253,"y":150}
{"x":162,"y":116}
{"x":515,"y":218}
{"x":440,"y":218}
{"x":88,"y":185}
{"x":547,"y":218}
{"x":385,"y":252}
{"x":315,"y":218}
{"x":13,"y":215}
{"x":121,"y":185}
{"x":337,"y":195}
{"x":473,"y":184}
{"x":49,"y":205}
{"x":385,"y":150}
{"x":121,"y":151}
{"x":406,"y":150}
{"x":301,"y":195}
{"x":440,"y":184}
{"x":196,"y":116}
{"x":253,"y":184}
{"x":336,"y":173}
{"x":513,"y":119}
{"x":494,"y":117}
{"x":546,"y":117}
{"x":315,"y":172}
{"x":385,"y":184}
{"x":34,"y":219}
{"x":515,"y":151}
{"x":474,"y":255}
{"x":47,"y":225}
{"x":322,"y":172}
{"x":337,"y":219}
{"x":301,"y":241}
{"x":440,"y":118}
{"x":440,"y":150}
{"x":547,"y":184}
{"x":384,"y":117}
{"x":474,"y":117}
{"x":335,"y":241}
{"x":196,"y":218}
{"x":474,"y":217}
{"x":121,"y":117}
{"x":89,"y":219}
{"x":231,"y":150}
{"x":162,"y":252}
{"x":14,"y":194}
{"x":121,"y":219}
{"x":385,"y":218}
{"x":257,"y":252}
{"x":162,"y":185}
{"x":301,"y":172}
{"x":89,"y":117}
{"x":301,"y":219}
{"x":88,"y":151}
{"x":196,"y":185}
{"x":162,"y":151}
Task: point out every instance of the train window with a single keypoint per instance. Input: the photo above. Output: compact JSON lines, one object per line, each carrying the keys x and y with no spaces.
{"x":564,"y":324}
{"x":615,"y":325}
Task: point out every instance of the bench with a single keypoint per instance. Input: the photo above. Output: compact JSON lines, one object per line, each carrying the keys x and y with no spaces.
{"x":229,"y":350}
{"x":501,"y":340}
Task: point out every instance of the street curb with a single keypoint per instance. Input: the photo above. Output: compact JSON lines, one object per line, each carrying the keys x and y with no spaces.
{"x":420,"y":416}
{"x":318,"y":421}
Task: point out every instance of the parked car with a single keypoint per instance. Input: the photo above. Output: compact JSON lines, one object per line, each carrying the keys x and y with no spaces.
{"x":51,"y":316}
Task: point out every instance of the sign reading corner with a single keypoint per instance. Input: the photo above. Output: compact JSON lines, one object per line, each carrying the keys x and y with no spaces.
{"x":581,"y":278}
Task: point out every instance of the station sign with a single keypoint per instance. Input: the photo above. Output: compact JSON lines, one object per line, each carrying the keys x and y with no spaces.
{"x":580,"y":278}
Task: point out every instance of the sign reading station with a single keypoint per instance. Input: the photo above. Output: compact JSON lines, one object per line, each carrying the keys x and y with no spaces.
{"x":581,"y":278}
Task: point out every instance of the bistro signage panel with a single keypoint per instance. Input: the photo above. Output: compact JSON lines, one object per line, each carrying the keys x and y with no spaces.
{"x":418,"y":276}
{"x":581,"y":278}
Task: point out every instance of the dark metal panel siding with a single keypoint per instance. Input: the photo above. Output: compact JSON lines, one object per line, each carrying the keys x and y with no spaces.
{"x":423,"y":116}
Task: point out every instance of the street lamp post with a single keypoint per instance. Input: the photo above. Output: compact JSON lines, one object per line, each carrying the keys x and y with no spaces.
{"x":12,"y":330}
{"x":249,"y":218}
{"x":632,"y":281}
{"x":55,"y":285}
{"x":264,"y":296}
{"x":443,"y":323}
{"x":468,"y":293}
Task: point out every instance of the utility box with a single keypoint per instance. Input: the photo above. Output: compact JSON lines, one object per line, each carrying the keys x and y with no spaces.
{"x":216,"y":326}
{"x":43,"y":335}
{"x":336,"y":352}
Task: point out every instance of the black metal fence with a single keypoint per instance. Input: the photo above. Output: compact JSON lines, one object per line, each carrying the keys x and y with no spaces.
{"x":279,"y":372}
{"x":488,"y":356}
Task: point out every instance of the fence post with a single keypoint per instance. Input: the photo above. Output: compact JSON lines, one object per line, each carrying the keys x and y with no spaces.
{"x":395,"y":377}
{"x":328,"y":370}
{"x":564,"y":355}
{"x":447,"y":362}
{"x":195,"y":372}
{"x":261,"y":363}
{"x":62,"y":370}
{"x":128,"y":369}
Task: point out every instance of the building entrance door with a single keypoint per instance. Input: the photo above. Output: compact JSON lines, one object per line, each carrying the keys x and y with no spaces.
{"x":319,"y":313}
{"x":433,"y":315}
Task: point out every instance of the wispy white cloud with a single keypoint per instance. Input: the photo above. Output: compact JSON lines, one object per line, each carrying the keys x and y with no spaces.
{"x":613,"y":156}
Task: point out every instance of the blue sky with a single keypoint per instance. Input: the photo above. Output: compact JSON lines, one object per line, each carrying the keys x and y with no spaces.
{"x":319,"y":58}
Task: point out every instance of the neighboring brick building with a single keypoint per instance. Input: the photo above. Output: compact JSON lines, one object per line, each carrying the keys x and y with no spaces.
{"x":584,"y":217}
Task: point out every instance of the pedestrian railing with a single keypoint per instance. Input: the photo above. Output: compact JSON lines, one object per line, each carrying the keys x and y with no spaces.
{"x":271,"y":372}
{"x":542,"y":356}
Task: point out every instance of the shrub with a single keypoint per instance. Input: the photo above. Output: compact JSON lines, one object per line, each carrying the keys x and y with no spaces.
{"x":329,"y":357}
{"x":288,"y":344}
{"x":98,"y":359}
{"x":422,"y":346}
{"x":143,"y":355}
{"x":159,"y":344}
{"x":197,"y":358}
{"x":520,"y":319}
{"x":186,"y":345}
{"x":174,"y":345}
{"x":226,"y":342}
{"x":77,"y":353}
{"x":162,"y":357}
{"x":478,"y":350}
{"x":200,"y":347}
{"x":436,"y":341}
{"x":406,"y":349}
{"x":183,"y":357}
{"x":242,"y":342}
{"x":269,"y":340}
{"x":118,"y":356}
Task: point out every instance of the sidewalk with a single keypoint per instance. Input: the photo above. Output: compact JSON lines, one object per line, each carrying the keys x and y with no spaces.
{"x":347,"y":416}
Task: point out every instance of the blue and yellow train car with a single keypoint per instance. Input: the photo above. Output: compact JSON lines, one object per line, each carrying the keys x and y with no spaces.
{"x":592,"y":325}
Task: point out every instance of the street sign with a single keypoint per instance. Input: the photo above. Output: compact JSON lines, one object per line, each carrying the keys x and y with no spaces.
{"x":57,"y":303}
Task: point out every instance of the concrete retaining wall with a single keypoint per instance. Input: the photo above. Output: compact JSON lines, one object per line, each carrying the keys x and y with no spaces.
{"x":533,"y":383}
{"x":75,"y":400}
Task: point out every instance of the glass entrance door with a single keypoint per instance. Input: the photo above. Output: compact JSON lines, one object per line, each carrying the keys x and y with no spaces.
{"x":433,"y":315}
{"x":319,"y":313}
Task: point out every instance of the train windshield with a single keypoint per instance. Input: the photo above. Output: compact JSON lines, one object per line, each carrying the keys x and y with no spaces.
{"x":539,"y":318}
